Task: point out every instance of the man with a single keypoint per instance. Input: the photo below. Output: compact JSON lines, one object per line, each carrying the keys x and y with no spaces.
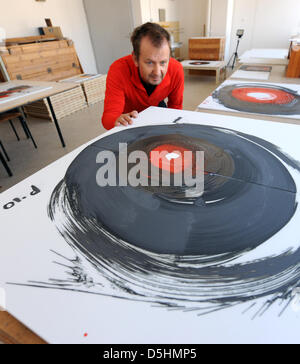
{"x":145,"y":78}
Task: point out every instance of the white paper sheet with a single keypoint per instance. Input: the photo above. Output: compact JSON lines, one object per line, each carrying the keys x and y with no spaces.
{"x":29,"y":238}
{"x":250,"y":75}
{"x":280,"y":53}
{"x":7,"y":94}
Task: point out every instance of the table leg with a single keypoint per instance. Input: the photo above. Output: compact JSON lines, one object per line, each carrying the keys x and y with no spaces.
{"x":26,"y":129}
{"x":22,"y":124}
{"x":5,"y":164}
{"x":56,"y":122}
{"x":218,"y":76}
{"x":4,"y":151}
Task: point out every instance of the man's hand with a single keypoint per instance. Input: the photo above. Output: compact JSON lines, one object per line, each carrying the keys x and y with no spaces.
{"x":126,"y":119}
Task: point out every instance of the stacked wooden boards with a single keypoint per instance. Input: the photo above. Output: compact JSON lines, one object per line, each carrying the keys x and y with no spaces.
{"x":64,"y":104}
{"x":93,"y":86}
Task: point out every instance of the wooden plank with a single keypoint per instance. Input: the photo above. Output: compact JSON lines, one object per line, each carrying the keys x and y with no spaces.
{"x":31,"y":39}
{"x":37,"y":47}
{"x":54,"y":31}
{"x":21,"y":64}
{"x":13,"y":332}
{"x":36,"y":58}
{"x":46,"y":68}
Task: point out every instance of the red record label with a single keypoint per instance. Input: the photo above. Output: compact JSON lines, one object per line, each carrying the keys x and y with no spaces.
{"x":262,"y":95}
{"x":171,"y":158}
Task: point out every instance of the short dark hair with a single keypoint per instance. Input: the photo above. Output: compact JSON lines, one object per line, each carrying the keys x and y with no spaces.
{"x":155,"y":32}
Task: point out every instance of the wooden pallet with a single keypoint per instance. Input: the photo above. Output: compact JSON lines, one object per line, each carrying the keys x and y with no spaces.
{"x":47,"y":61}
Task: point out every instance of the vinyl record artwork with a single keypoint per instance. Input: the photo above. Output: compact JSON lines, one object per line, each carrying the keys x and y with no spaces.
{"x":12,"y":92}
{"x":152,"y":263}
{"x":198,"y":64}
{"x":258,"y":98}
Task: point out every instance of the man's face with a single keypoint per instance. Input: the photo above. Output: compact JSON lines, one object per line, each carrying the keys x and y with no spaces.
{"x":153,"y":62}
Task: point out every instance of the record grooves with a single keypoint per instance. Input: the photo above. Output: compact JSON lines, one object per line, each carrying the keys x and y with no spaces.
{"x":157,"y":244}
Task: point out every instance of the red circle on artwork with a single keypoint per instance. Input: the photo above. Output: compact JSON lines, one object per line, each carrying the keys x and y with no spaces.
{"x":171,"y":158}
{"x":262,"y":95}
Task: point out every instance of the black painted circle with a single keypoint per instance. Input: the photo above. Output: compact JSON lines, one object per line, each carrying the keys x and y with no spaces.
{"x":240,"y":209}
{"x":224,"y":96}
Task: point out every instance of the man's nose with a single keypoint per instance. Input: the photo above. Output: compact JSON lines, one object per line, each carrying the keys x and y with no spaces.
{"x":157,"y":69}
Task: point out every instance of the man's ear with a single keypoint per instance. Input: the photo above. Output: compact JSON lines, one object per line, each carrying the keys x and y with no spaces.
{"x":135,"y":59}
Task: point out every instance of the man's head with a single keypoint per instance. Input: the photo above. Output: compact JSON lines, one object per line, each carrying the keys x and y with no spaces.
{"x":151,"y":52}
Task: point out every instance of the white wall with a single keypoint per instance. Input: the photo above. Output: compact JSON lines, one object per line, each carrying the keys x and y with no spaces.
{"x":111,"y":24}
{"x":23,"y":17}
{"x":218,"y":18}
{"x":191,"y":15}
{"x":192,"y":19}
{"x":150,"y":9}
{"x":219,"y":21}
{"x":136,"y":13}
{"x":267,"y":23}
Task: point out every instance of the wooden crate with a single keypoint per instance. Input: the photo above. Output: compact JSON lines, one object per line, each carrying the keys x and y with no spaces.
{"x":210,"y":49}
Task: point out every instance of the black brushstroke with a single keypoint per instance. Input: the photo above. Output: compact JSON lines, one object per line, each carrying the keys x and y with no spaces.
{"x":131,"y":243}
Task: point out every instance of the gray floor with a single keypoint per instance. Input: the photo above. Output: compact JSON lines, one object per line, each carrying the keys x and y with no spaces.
{"x":77,"y":129}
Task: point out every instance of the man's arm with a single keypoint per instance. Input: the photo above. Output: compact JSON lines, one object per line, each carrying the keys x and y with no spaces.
{"x":175,"y":98}
{"x":114,"y":97}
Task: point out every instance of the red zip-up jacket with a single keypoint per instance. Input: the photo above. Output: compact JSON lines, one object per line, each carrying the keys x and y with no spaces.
{"x":125,"y":91}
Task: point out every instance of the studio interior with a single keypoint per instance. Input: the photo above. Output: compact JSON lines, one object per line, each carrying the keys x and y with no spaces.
{"x":205,"y":88}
